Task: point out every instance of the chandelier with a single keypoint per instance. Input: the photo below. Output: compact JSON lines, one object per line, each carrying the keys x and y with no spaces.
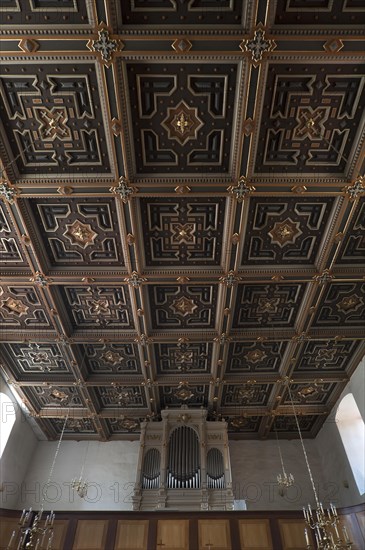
{"x":31,"y":534}
{"x":284,"y":480}
{"x":324,"y":524}
{"x":80,"y":485}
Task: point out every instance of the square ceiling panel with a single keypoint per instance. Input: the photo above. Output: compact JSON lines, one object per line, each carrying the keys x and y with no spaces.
{"x":23,"y":309}
{"x":255,"y":357}
{"x":183,"y":118}
{"x":310,"y":120}
{"x":193,"y":357}
{"x":198,"y":13}
{"x":49,"y":14}
{"x":55,"y":120}
{"x":342,"y":305}
{"x":352,"y":250}
{"x":286,"y":231}
{"x":176,"y":307}
{"x":11,"y":248}
{"x":110,"y":358}
{"x":322,"y":13}
{"x":190,"y":395}
{"x":73,"y":233}
{"x":88,"y":308}
{"x":236,"y":395}
{"x":182,"y":232}
{"x":322,"y":356}
{"x":29,"y":360}
{"x":270,"y":305}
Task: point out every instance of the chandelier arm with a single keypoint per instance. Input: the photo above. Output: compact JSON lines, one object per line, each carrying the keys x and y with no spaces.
{"x":304,"y":451}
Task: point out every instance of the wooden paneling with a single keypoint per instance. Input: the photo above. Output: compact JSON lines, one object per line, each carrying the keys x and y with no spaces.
{"x":7,"y":526}
{"x":292,"y":534}
{"x":60,"y":529}
{"x":90,"y":534}
{"x":214,"y":534}
{"x":173,"y":534}
{"x":361,"y":521}
{"x":255,"y":534}
{"x":352,"y":526}
{"x":132,"y":535}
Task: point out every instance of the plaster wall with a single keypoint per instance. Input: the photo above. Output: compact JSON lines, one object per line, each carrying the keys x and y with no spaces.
{"x":255,"y":465}
{"x":17,"y":454}
{"x":109,"y":468}
{"x":335,"y":465}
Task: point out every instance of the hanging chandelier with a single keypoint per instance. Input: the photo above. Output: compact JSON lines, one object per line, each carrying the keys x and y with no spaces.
{"x":324,"y":524}
{"x":80,"y":485}
{"x":284,"y":480}
{"x":31,"y":534}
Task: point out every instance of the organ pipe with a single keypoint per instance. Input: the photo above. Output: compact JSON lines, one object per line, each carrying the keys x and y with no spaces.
{"x":184,"y":459}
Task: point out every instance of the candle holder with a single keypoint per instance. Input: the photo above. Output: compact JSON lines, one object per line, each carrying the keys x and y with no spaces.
{"x":32,"y":535}
{"x":325,"y":526}
{"x":80,"y":487}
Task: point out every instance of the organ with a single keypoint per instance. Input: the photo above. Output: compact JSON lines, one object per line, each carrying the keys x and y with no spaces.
{"x":183,"y":463}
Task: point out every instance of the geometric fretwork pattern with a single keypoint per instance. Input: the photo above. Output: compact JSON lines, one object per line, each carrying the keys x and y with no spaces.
{"x":353,"y":245}
{"x":78,"y":232}
{"x":196,"y":12}
{"x":11,"y":254}
{"x":37,"y":358}
{"x":111,"y":358}
{"x":107,"y":397}
{"x":284,"y":231}
{"x":49,"y":13}
{"x":254,"y":357}
{"x":182,"y":232}
{"x":288,"y":424}
{"x":311,"y":394}
{"x":208,"y":90}
{"x":258,"y":305}
{"x":328,"y":12}
{"x":106,"y":307}
{"x":190,"y":306}
{"x":322,"y":356}
{"x":22,"y":308}
{"x":342,"y":304}
{"x":307,"y":118}
{"x":175,"y":358}
{"x":53,"y":118}
{"x":51,"y":396}
{"x":199,"y":397}
{"x":182,"y":221}
{"x":232,"y":397}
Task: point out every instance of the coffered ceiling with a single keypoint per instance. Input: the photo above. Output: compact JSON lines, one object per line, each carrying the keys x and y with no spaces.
{"x":182,"y":215}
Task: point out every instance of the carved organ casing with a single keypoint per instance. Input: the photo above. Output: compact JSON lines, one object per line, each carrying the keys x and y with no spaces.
{"x":183,"y":463}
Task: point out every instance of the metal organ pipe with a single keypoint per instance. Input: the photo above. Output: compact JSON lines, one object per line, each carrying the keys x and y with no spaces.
{"x":151,"y":469}
{"x":184,"y":459}
{"x":215,"y":469}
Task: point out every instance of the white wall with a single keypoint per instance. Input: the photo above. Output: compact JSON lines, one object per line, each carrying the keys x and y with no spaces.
{"x":17,"y":454}
{"x":110,"y":468}
{"x":335,"y":465}
{"x":255,"y":465}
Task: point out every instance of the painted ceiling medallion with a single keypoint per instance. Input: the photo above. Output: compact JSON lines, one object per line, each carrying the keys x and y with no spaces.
{"x":80,"y":234}
{"x":268,"y":305}
{"x":53,"y":123}
{"x":311,"y":390}
{"x":325,"y":354}
{"x":183,"y":233}
{"x":98,"y":307}
{"x":111,"y":357}
{"x":255,"y":356}
{"x":128,"y":424}
{"x":183,"y":306}
{"x":350,"y":303}
{"x":183,"y":391}
{"x":58,"y":396}
{"x":285,"y":232}
{"x":12,"y":305}
{"x":238,"y":422}
{"x":182,"y":123}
